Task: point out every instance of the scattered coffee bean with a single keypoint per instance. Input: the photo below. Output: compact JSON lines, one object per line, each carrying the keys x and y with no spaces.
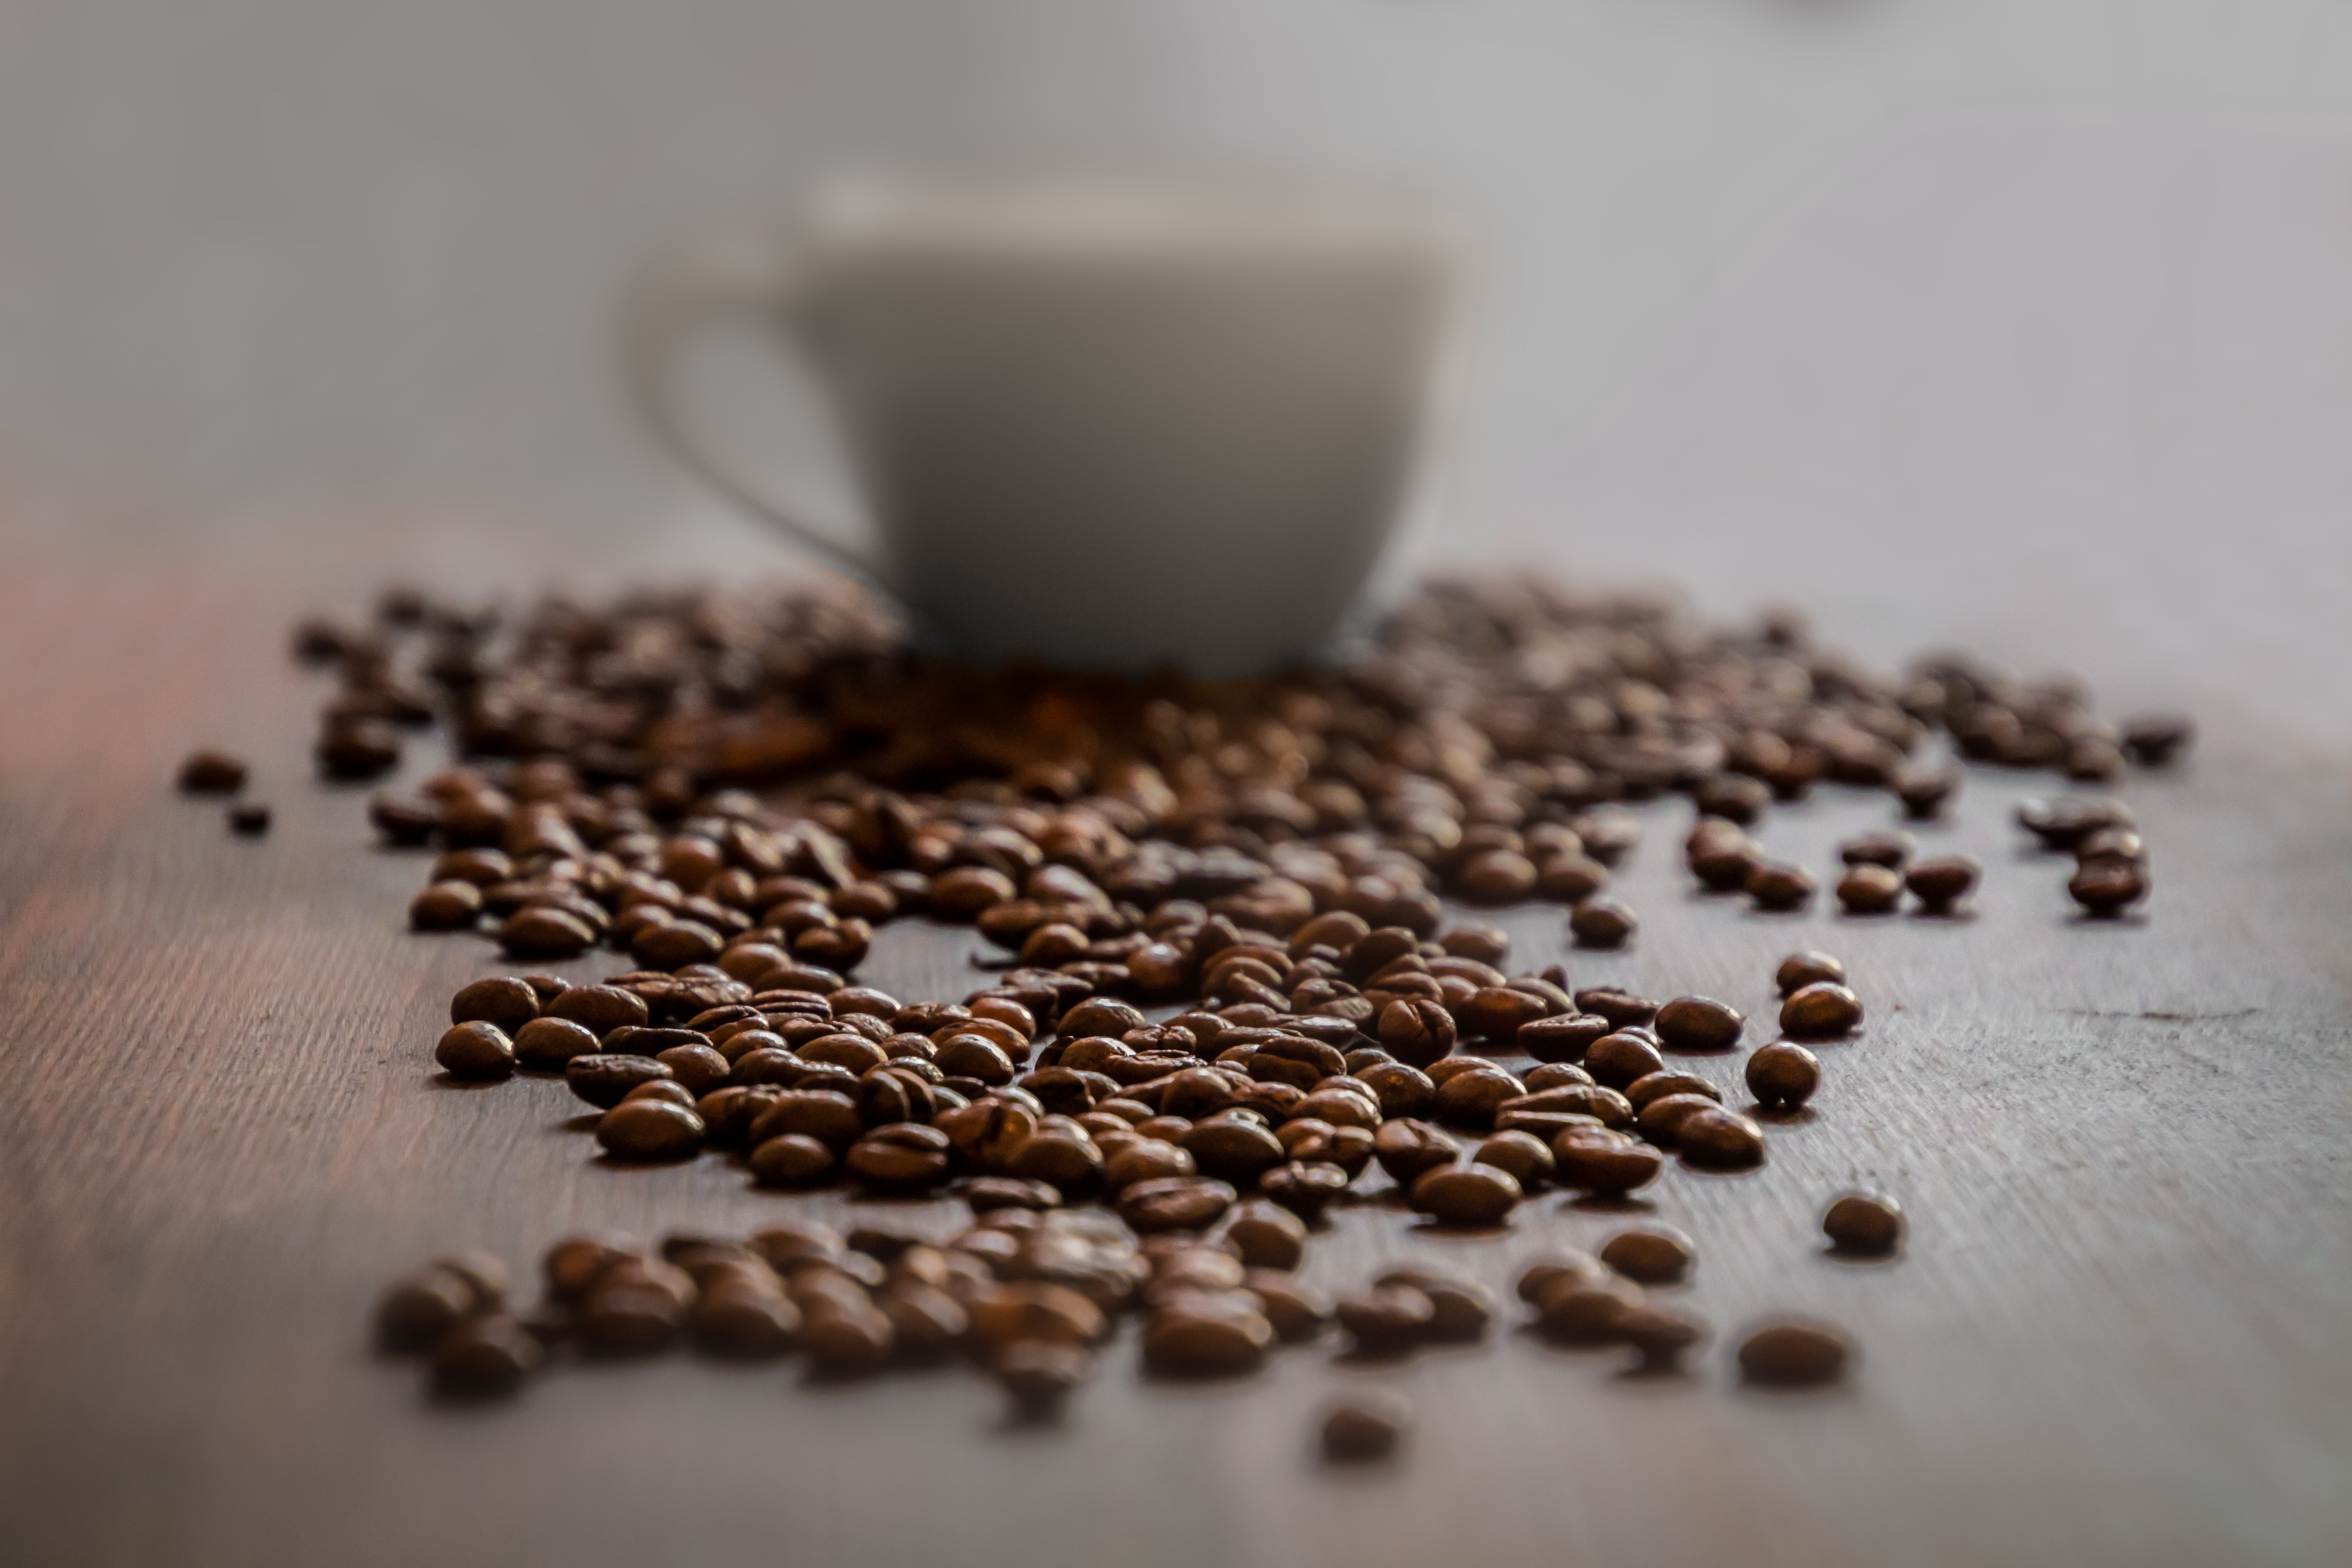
{"x":1783,"y":1075}
{"x":212,"y":773}
{"x":2106,"y":887}
{"x":1388,"y":1319}
{"x":476,"y":1050}
{"x":2154,"y":741}
{"x":1603,"y":923}
{"x":1870,"y":890}
{"x":1468,"y":1196}
{"x":1800,"y":970}
{"x":1867,"y":1225}
{"x":1940,"y":884}
{"x":1820,"y":1011}
{"x":1794,"y":1354}
{"x":1698,"y":1024}
{"x":1781,"y":886}
{"x":1618,"y":1059}
{"x":484,"y":1357}
{"x":1883,"y":847}
{"x":248,"y":819}
{"x":1365,"y":1429}
{"x":1655,"y":1256}
{"x":1720,"y":1140}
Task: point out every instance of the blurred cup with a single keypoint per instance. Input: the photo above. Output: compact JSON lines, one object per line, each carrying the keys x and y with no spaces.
{"x":1103,"y":427}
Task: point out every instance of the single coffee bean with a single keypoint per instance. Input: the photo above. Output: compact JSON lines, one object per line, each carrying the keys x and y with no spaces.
{"x":477,"y":1050}
{"x":603,"y":1079}
{"x":1465,"y":1197}
{"x":1659,"y":1336}
{"x":649,"y":1129}
{"x":904,"y":1157}
{"x":1190,"y":1340}
{"x":1824,"y":1010}
{"x":1925,"y":791}
{"x":1459,"y":1309}
{"x":1040,"y":1375}
{"x":745,"y":1322}
{"x":504,"y":1001}
{"x":1658,"y":1255}
{"x":846,"y":1342}
{"x":1578,"y":1312}
{"x":792,"y":1160}
{"x":1389,"y":1319}
{"x":600,"y":1009}
{"x":1870,"y":890}
{"x":1618,"y":1059}
{"x":1884,"y":847}
{"x":1237,"y":1151}
{"x":1553,"y":1075}
{"x":1305,"y":1187}
{"x":1800,"y":970}
{"x":486,"y":1357}
{"x":1603,"y":923}
{"x":1794,"y":1354}
{"x":1551,"y":1269}
{"x":1783,"y":1075}
{"x":1662,"y":1120}
{"x":248,"y":818}
{"x":1527,"y":1157}
{"x":1366,"y":1429}
{"x":1867,"y":1225}
{"x":212,"y":773}
{"x":1564,"y":1037}
{"x":2153,"y":740}
{"x":1941,"y":883}
{"x":1298,"y":1311}
{"x":546,"y":1045}
{"x":2106,"y":887}
{"x":1720,"y":1140}
{"x":1268,"y":1236}
{"x":415,"y":1311}
{"x":1623,"y":1008}
{"x":1174,"y":1204}
{"x":1416,"y":1031}
{"x":1496,"y":876}
{"x":1698,"y":1024}
{"x":445,"y":906}
{"x":1658,"y":1085}
{"x":1781,"y":886}
{"x":1470,"y":1098}
{"x":2062,"y":823}
{"x":667,"y":1091}
{"x":543,"y":931}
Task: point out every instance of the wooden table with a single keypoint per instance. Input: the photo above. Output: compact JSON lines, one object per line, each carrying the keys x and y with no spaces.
{"x":2121,"y":1333}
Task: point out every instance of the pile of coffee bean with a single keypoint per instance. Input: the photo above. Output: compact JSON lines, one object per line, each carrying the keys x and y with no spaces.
{"x":738,"y":791}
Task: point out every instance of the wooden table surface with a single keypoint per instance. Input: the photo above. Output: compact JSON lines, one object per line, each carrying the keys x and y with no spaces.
{"x":2121,"y":1333}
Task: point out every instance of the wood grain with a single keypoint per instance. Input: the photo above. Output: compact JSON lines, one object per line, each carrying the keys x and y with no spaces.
{"x":2118,"y":1335}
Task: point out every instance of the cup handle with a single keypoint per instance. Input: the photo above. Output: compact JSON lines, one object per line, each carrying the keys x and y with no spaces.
{"x":724,"y":278}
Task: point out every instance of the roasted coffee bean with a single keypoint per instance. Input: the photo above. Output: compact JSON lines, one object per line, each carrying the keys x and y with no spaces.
{"x":2106,"y":887}
{"x":546,"y":1045}
{"x":1783,"y":1075}
{"x":1237,"y":1151}
{"x":1658,"y":1085}
{"x":1416,"y":1032}
{"x":1720,"y":1140}
{"x":1268,"y":1236}
{"x":1387,"y":1320}
{"x":1867,"y":1225}
{"x":248,"y":818}
{"x":1941,"y":883}
{"x":1459,"y":1309}
{"x":1468,"y":1196}
{"x":1823,"y":1010}
{"x":649,"y":1129}
{"x":1781,"y":886}
{"x":1305,"y":1187}
{"x":1544,"y":1273}
{"x":603,"y":1079}
{"x":1659,"y":1337}
{"x":1661,"y":1120}
{"x":1923,"y":791}
{"x":1794,"y":1354}
{"x":445,"y":906}
{"x":1800,"y":970}
{"x":1561,"y":1038}
{"x":848,"y":1342}
{"x":1618,"y":1059}
{"x":1734,"y":797}
{"x":212,"y":773}
{"x":1366,"y":1429}
{"x":1698,"y":1024}
{"x":2154,"y":740}
{"x":1496,"y":876}
{"x":1657,"y":1255}
{"x":989,"y":1193}
{"x":485,"y":1357}
{"x":1174,"y":1203}
{"x":1191,"y":1339}
{"x":1883,"y":847}
{"x":905,"y":1157}
{"x":1870,"y":890}
{"x":1603,"y":923}
{"x":505,"y":1002}
{"x":792,"y":1160}
{"x":1578,"y":1312}
{"x":1526,"y":1157}
{"x":1040,"y":1375}
{"x":745,"y":1322}
{"x":600,"y":1008}
{"x":1623,"y":1009}
{"x":476,"y":1050}
{"x":415,"y":1311}
{"x":1298,"y":1311}
{"x":926,"y":1324}
{"x":2062,"y":823}
{"x":540,"y":932}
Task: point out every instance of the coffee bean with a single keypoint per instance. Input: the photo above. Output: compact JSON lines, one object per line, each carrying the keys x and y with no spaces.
{"x":1545,"y":1272}
{"x":1923,"y":791}
{"x":1237,"y":1151}
{"x":1267,"y":1237}
{"x":601,"y":1009}
{"x":1720,"y":1140}
{"x":1305,"y":1187}
{"x":1617,"y":1059}
{"x":2106,"y":887}
{"x":212,"y":773}
{"x":1823,"y":1010}
{"x":1781,"y":886}
{"x":1578,"y":1312}
{"x":2154,"y":740}
{"x":484,"y":1358}
{"x":1882,"y":846}
{"x":1783,"y":1075}
{"x":602,"y":1080}
{"x":989,"y":1193}
{"x":476,"y":1050}
{"x":1867,"y":1225}
{"x":415,"y":1311}
{"x":1526,"y":1158}
{"x":1467,"y":1196}
{"x":1298,"y":1311}
{"x":649,"y":1129}
{"x":445,"y":906}
{"x":792,"y":1160}
{"x":1941,"y":883}
{"x":1658,"y":1255}
{"x":2066,"y":821}
{"x":248,"y":819}
{"x":1366,"y":1429}
{"x":1459,"y":1309}
{"x":1417,"y":1032}
{"x":1658,"y":1085}
{"x":1800,"y":970}
{"x":1190,"y":1339}
{"x":1040,"y":1375}
{"x":1698,"y":1024}
{"x":1659,"y":1336}
{"x":745,"y":1324}
{"x":1496,"y":876}
{"x":1870,"y":890}
{"x":504,"y":1001}
{"x":1603,"y":923}
{"x":905,"y":1157}
{"x":1794,"y":1354}
{"x":1661,"y":1120}
{"x":1389,"y":1319}
{"x":1175,"y":1203}
{"x":1561,"y":1038}
{"x":846,"y":1342}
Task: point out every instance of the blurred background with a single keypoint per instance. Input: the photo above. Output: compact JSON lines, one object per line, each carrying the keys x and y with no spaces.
{"x":2032,"y":315}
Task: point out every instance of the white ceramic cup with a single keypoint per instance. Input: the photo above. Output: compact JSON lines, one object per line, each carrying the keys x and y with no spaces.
{"x":1112,"y":427}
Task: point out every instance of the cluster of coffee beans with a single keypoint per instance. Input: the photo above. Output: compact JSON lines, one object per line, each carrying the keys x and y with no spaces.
{"x":219,"y":773}
{"x":2110,"y":859}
